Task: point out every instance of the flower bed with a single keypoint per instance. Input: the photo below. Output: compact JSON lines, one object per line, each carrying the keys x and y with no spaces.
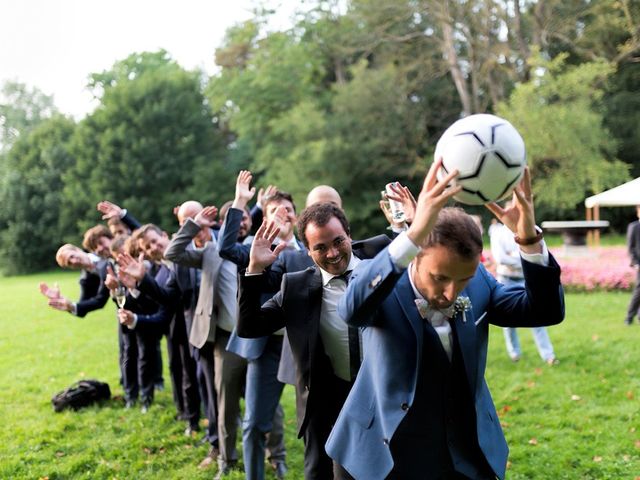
{"x":603,"y":268}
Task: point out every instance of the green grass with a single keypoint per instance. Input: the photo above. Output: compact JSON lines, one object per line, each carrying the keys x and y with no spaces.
{"x":576,"y":420}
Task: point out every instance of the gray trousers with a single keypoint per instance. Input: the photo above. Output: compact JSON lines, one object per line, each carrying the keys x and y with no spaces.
{"x":230,"y":372}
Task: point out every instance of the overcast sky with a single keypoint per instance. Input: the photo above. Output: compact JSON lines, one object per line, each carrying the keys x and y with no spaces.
{"x":55,"y":44}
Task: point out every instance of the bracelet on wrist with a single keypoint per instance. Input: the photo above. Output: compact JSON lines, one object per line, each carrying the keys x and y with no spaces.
{"x":529,"y":240}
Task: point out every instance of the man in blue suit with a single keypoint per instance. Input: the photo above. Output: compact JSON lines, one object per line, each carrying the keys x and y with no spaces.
{"x":420,"y":407}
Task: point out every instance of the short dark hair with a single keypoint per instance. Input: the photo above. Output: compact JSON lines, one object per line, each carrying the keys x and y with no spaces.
{"x":320,"y":214}
{"x":278,"y":196}
{"x":456,"y":230}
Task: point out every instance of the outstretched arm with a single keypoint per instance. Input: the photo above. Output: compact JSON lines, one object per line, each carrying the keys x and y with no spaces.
{"x":177,"y":249}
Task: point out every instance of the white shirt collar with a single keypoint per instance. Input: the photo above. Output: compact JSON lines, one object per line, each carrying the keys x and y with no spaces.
{"x":326,"y":276}
{"x":416,"y":292}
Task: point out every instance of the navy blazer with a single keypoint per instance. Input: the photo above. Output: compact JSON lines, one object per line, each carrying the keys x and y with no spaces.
{"x":93,"y":292}
{"x":380,"y":299}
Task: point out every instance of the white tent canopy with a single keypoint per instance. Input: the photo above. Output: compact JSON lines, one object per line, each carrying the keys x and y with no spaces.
{"x":623,"y":195}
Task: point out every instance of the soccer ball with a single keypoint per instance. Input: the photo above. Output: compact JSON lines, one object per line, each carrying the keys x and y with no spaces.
{"x":488,"y":152}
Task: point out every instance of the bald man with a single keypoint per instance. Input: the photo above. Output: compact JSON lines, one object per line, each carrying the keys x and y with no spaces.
{"x":323,"y":194}
{"x":190,"y":282}
{"x":190,"y":209}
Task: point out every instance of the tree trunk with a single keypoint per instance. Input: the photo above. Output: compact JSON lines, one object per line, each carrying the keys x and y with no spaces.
{"x":451,"y":56}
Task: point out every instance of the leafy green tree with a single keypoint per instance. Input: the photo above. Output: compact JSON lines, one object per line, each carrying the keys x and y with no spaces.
{"x":570,"y":152}
{"x":31,"y":196}
{"x":21,"y":109}
{"x":145,"y":145}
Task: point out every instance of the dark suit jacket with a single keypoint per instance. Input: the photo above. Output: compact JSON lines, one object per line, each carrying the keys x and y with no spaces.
{"x":93,"y":293}
{"x":633,"y":242}
{"x":295,"y":306}
{"x":175,"y":292}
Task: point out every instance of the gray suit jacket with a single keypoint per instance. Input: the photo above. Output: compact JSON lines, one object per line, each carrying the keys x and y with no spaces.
{"x":207,"y":259}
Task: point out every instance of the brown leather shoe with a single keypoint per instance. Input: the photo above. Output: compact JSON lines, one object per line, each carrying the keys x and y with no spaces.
{"x":210,"y":459}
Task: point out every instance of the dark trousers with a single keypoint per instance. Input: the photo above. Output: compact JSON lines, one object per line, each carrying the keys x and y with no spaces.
{"x":182,"y":367}
{"x":158,"y":379}
{"x":634,"y":305}
{"x":148,"y":343}
{"x":129,"y":363}
{"x":321,"y":416}
{"x":207,"y":369}
{"x":139,"y":362}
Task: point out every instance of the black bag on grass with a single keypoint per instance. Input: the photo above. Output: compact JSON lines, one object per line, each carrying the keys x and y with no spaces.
{"x":81,"y":394}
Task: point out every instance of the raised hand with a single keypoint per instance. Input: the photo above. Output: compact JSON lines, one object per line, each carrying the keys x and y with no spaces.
{"x":50,"y":292}
{"x":125,"y":317}
{"x":207,"y":216}
{"x":244,"y":191}
{"x":132,"y":267}
{"x":109,"y":210}
{"x":61,"y":303}
{"x":403,"y":195}
{"x":433,"y":197}
{"x":261,"y":255}
{"x":519,"y":216}
{"x":111,"y":280}
{"x":266,"y":192}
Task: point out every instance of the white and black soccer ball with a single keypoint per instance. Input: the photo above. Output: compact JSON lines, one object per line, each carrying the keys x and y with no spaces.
{"x":488,"y":152}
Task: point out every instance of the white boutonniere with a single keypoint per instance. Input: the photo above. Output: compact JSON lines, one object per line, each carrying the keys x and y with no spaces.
{"x":462,"y":305}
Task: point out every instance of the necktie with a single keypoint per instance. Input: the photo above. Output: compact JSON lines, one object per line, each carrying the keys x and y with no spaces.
{"x":354,"y":338}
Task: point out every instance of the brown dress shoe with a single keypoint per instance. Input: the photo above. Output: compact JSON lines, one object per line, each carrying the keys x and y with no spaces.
{"x":210,"y":459}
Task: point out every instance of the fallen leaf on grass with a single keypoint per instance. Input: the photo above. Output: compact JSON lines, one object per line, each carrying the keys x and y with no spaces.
{"x":505,"y":409}
{"x":531,"y":384}
{"x":626,"y":458}
{"x":533,"y":441}
{"x":538,"y":371}
{"x":60,"y":454}
{"x":43,"y":478}
{"x":597,"y":458}
{"x":595,"y":337}
{"x":637,"y":443}
{"x":508,"y":465}
{"x":147,"y":450}
{"x":575,"y":398}
{"x":629,"y":395}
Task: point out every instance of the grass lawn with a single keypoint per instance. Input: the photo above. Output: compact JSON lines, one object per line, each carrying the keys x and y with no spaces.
{"x":576,"y":420}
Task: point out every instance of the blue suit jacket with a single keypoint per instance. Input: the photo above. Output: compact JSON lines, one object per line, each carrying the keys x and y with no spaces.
{"x":238,"y":253}
{"x":380,"y":299}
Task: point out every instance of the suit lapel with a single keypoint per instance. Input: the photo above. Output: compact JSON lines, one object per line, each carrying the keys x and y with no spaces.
{"x":406,"y":298}
{"x":315,"y":308}
{"x":465,"y":335}
{"x":465,"y":331}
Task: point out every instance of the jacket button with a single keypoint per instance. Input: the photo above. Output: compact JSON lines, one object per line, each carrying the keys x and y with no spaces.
{"x":385,"y":441}
{"x":404,"y":406}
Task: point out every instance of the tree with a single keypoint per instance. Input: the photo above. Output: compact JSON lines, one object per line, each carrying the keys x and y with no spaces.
{"x":21,"y":109}
{"x":31,"y":196}
{"x":570,"y":152}
{"x":144,"y":146}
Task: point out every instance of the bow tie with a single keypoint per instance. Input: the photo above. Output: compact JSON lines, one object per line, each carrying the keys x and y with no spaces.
{"x":426,"y":311}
